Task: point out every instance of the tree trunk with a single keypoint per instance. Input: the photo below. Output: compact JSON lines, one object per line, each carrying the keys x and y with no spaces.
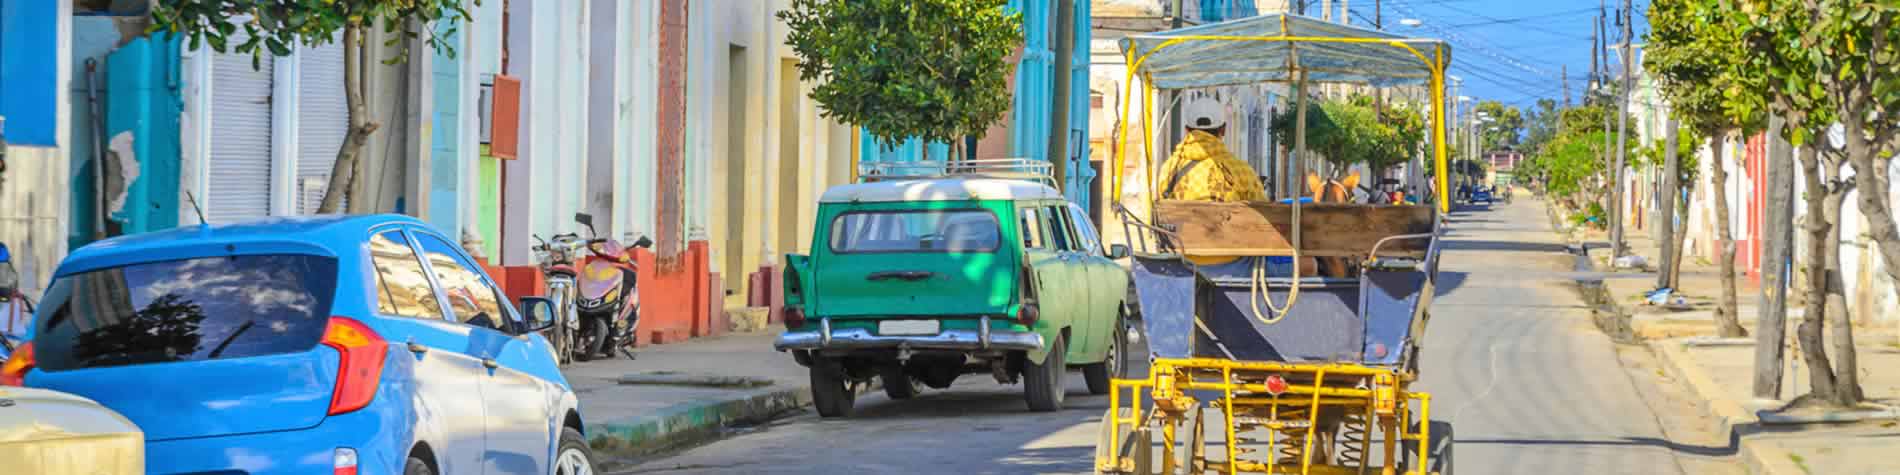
{"x":1871,"y":178}
{"x":343,"y":172}
{"x":1846,"y":367}
{"x":1727,"y":323}
{"x":1813,"y":347}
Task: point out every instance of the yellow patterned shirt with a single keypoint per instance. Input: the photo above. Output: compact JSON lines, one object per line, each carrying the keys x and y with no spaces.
{"x":1214,"y":176}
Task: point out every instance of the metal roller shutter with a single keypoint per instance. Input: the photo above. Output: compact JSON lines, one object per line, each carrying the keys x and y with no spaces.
{"x":239,"y":181}
{"x":322,"y":119}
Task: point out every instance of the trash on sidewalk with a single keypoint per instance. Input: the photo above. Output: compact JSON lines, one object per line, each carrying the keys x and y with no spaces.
{"x":1631,"y":261}
{"x":676,"y":378}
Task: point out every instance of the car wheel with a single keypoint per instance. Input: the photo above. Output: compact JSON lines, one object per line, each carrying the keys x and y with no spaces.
{"x":830,"y":390}
{"x":1042,"y":383}
{"x":1100,"y":376}
{"x":1439,"y":449}
{"x":416,"y":466}
{"x":897,"y":385}
{"x":587,"y":343}
{"x":575,"y":457}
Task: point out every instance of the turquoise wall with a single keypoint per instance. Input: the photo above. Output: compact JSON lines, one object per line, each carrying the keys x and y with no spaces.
{"x":445,"y":136}
{"x":141,"y":94}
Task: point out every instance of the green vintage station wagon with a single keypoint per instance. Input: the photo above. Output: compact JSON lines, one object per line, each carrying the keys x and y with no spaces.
{"x":920,"y":281}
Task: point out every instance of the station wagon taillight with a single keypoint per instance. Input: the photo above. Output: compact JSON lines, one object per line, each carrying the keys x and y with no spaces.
{"x":13,"y":372}
{"x":362,"y":352}
{"x":794,"y":317}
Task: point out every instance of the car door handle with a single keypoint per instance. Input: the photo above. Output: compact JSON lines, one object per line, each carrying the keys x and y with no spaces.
{"x":490,"y":363}
{"x":912,"y":275}
{"x":417,"y":348}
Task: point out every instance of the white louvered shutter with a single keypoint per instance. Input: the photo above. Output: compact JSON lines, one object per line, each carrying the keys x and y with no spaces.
{"x":239,"y":181}
{"x":322,"y":119}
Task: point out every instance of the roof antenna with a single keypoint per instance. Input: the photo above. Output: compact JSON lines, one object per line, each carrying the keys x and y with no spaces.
{"x":200,"y":210}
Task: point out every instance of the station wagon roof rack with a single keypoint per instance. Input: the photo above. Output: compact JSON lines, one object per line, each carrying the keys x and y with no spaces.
{"x":1007,"y":168}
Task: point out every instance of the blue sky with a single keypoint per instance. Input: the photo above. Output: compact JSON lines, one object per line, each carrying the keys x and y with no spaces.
{"x":1507,"y":50}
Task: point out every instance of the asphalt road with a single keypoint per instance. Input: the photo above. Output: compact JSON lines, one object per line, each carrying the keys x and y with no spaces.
{"x":1510,"y":357}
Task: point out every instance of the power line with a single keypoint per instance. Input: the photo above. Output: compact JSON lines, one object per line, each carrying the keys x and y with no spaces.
{"x":1545,"y":16}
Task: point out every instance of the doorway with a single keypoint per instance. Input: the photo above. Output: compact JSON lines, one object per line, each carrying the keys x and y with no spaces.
{"x":737,"y":195}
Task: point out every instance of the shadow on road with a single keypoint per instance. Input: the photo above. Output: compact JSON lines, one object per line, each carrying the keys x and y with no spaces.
{"x":1701,"y":450}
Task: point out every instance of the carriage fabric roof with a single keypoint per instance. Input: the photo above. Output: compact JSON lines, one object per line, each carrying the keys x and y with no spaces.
{"x":1273,"y":46}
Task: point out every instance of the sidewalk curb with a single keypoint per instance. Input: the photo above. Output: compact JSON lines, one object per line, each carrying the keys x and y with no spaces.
{"x":1760,"y":456}
{"x":692,"y":423}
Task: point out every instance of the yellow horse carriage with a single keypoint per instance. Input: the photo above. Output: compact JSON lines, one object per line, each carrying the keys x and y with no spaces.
{"x":1256,"y":365}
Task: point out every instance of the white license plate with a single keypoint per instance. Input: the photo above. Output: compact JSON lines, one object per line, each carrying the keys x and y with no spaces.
{"x":907,"y":327}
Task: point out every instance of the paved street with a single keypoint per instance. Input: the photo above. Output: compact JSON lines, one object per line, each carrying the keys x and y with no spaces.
{"x":1511,"y":358}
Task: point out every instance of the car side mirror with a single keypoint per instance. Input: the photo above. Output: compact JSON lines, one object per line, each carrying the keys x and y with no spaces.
{"x":539,"y":313}
{"x":1117,"y":251}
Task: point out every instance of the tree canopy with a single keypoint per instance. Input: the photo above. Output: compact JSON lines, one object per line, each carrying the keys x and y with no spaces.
{"x":884,"y":65}
{"x":1352,"y":131}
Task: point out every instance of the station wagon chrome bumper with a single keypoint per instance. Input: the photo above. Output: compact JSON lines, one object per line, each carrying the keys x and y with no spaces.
{"x":824,"y":338}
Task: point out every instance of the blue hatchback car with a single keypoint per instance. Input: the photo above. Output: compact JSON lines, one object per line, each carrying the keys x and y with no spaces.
{"x":331,"y":344}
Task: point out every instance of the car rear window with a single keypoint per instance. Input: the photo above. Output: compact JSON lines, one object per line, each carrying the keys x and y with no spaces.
{"x":915,"y":231}
{"x":195,"y":309}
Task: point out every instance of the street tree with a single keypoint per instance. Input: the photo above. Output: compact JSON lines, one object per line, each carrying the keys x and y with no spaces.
{"x":1695,"y":60}
{"x":1540,"y":126}
{"x":1506,"y":126}
{"x":883,"y":64}
{"x":274,"y":27}
{"x":1831,"y":62}
{"x":1655,"y":155}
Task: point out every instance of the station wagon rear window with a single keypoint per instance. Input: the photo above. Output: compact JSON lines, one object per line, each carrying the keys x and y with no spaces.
{"x":915,"y":231}
{"x":195,"y":309}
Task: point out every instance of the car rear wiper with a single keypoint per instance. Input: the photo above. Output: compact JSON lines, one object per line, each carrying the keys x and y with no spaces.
{"x":227,"y":340}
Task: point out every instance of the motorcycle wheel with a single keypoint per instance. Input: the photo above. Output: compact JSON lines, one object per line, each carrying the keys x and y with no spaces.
{"x":587,"y":343}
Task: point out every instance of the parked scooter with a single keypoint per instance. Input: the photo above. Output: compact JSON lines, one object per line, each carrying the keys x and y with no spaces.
{"x":556,"y":260}
{"x":16,"y":311}
{"x":608,"y":299}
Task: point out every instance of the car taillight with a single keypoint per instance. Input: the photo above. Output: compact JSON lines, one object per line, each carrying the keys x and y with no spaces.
{"x":794,"y":317}
{"x":344,"y":461}
{"x":362,"y":353}
{"x":13,"y":372}
{"x":1028,"y":314}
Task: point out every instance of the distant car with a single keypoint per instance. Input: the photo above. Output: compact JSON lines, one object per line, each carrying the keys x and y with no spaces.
{"x":923,"y":280}
{"x":1481,"y":194}
{"x":46,"y":432}
{"x":329,"y":344}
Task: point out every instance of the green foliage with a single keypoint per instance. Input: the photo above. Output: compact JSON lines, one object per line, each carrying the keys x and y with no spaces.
{"x":1833,"y":60}
{"x":1573,"y":166}
{"x":1345,"y":132}
{"x":1695,"y":52}
{"x":1505,"y":128}
{"x":1541,"y":126}
{"x":1687,"y":142}
{"x":933,"y":69}
{"x":274,"y":26}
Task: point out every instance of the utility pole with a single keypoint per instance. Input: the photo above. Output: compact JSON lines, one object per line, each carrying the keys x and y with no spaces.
{"x":1563,"y":71}
{"x":1666,"y":213}
{"x":1174,"y":107}
{"x":1059,"y":120}
{"x":1378,"y":15}
{"x":1617,"y":243}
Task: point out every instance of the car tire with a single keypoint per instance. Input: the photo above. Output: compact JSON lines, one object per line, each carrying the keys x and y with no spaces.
{"x":830,"y":390}
{"x":897,"y":384}
{"x":1042,"y":383}
{"x":574,"y":456}
{"x":1440,"y":449}
{"x":416,"y":466}
{"x":1100,"y":376}
{"x":593,"y":333}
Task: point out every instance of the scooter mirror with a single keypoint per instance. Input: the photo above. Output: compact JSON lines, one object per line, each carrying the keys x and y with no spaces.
{"x":643,"y":242}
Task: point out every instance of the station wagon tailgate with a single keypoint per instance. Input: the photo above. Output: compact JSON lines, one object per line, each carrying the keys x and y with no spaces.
{"x":902,"y":259}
